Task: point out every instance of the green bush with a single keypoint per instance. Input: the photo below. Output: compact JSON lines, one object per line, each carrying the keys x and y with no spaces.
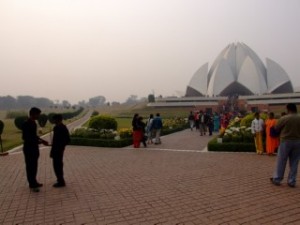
{"x":103,"y":122}
{"x":213,"y":145}
{"x":42,"y":121}
{"x":247,"y":120}
{"x":95,"y":113}
{"x":94,"y":134}
{"x":100,"y":142}
{"x":1,"y":127}
{"x":125,"y":133}
{"x":19,"y":121}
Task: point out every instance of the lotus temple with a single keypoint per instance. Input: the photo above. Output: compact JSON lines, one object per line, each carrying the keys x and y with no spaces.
{"x":237,"y":80}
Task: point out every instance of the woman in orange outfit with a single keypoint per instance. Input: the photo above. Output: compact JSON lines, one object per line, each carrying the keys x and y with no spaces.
{"x":272,"y":143}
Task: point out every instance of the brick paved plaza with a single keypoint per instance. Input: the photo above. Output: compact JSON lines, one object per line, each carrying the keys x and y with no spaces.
{"x":157,"y":185}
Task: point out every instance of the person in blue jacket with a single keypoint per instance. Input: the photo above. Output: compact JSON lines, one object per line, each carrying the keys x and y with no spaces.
{"x":156,"y":127}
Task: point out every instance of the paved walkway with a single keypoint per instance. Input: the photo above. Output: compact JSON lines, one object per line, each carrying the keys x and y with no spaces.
{"x":149,"y":186}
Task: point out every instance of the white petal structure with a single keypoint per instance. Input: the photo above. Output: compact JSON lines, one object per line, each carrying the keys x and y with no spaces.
{"x":277,"y":78}
{"x":238,"y":70}
{"x":198,"y":83}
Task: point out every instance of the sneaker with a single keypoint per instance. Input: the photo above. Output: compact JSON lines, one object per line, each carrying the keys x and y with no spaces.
{"x":58,"y":185}
{"x":291,"y":185}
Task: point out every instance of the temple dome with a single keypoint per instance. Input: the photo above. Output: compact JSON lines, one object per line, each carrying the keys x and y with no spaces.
{"x":238,"y":70}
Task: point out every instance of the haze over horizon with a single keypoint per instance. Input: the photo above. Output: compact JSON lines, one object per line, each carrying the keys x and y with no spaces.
{"x":76,"y":49}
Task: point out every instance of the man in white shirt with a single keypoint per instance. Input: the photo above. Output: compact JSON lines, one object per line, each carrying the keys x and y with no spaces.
{"x":257,"y":127}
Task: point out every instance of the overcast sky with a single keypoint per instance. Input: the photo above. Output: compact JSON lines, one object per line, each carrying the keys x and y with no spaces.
{"x":77,"y":49}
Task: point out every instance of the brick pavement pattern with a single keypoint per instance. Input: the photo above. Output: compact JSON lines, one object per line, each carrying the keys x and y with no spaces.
{"x":149,"y":186}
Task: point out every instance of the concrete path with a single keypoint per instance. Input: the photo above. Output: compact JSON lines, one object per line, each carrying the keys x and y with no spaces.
{"x":157,"y":185}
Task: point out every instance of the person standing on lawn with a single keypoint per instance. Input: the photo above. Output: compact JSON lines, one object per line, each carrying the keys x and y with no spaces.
{"x":61,"y":138}
{"x":31,"y":148}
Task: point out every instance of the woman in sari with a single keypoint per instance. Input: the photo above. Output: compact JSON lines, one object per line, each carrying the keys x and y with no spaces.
{"x":272,"y":143}
{"x":136,"y":132}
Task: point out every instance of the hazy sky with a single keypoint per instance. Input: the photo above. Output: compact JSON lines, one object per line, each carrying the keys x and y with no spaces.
{"x":77,"y":49}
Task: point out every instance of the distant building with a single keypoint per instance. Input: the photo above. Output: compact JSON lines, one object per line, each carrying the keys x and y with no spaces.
{"x":237,"y":81}
{"x":239,"y":71}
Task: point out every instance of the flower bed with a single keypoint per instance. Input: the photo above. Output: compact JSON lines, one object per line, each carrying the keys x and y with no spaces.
{"x":237,"y":137}
{"x":118,"y":139}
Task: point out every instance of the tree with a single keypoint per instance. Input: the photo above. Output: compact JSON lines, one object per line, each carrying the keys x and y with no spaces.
{"x":66,"y":104}
{"x":8,"y":102}
{"x":132,"y":99}
{"x":151,"y":98}
{"x":42,"y":120}
{"x":19,"y":121}
{"x":103,"y":122}
{"x":97,"y":101}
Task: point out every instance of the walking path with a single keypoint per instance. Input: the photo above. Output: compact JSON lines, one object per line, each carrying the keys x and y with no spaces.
{"x":173,"y":183}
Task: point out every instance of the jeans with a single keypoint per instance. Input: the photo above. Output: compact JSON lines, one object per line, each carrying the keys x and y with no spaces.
{"x":288,"y":149}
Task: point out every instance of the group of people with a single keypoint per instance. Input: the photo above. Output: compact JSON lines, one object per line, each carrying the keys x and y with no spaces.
{"x":284,"y":135}
{"x":145,"y":132}
{"x":259,"y":128}
{"x":31,"y":152}
{"x":204,"y":122}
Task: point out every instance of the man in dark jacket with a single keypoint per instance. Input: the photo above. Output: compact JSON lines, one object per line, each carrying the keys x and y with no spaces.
{"x":61,"y":138}
{"x":31,"y":148}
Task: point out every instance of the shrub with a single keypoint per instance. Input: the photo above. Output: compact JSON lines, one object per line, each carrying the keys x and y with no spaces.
{"x":100,"y":142}
{"x":95,"y":113}
{"x":103,"y":123}
{"x":1,"y":127}
{"x":42,"y":121}
{"x":92,"y":133}
{"x":50,"y":117}
{"x":213,"y":145}
{"x":247,"y":120}
{"x":19,"y":121}
{"x":125,"y":133}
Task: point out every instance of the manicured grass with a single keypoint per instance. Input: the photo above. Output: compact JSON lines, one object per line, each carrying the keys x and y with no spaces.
{"x":12,"y":137}
{"x":143,"y":110}
{"x":124,"y":123}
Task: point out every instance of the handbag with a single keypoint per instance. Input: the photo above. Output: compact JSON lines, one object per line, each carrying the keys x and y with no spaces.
{"x":274,"y":132}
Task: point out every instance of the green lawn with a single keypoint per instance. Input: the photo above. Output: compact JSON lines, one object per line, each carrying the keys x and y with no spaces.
{"x":12,"y":137}
{"x":124,"y":123}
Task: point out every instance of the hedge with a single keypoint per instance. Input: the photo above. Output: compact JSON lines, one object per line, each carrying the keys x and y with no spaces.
{"x":101,"y":142}
{"x":214,"y":146}
{"x":96,"y":142}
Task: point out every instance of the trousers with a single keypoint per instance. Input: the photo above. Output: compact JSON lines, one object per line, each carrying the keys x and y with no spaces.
{"x":288,"y":150}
